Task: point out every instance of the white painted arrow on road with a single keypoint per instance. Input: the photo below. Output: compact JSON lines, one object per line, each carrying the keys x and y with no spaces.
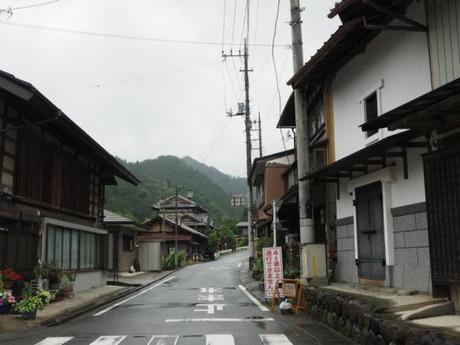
{"x":210,"y":308}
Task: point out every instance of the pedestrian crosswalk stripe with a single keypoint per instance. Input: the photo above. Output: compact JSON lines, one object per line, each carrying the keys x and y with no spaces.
{"x":168,"y":339}
{"x":54,"y":341}
{"x":220,"y":339}
{"x":109,"y":340}
{"x":274,"y":339}
{"x":163,"y":340}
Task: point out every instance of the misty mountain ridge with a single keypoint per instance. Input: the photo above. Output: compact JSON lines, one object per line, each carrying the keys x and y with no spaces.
{"x":212,"y":188}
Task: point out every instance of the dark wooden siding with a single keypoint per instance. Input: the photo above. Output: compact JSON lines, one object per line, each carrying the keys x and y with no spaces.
{"x":51,"y":174}
{"x":442,"y":187}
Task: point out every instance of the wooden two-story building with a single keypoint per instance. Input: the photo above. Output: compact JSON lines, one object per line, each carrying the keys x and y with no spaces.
{"x":52,"y":177}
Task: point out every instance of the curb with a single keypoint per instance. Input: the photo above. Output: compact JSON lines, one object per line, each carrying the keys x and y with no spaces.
{"x":68,"y":315}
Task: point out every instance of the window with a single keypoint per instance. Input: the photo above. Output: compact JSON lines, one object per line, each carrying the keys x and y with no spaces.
{"x":316,"y":120}
{"x":128,"y":243}
{"x":371,"y":111}
{"x":72,"y":249}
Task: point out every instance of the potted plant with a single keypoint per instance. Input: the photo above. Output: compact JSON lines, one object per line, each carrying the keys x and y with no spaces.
{"x":29,"y":305}
{"x":7,"y":302}
{"x":55,"y":275}
{"x":10,"y":276}
{"x":41,"y":272}
{"x":68,"y":282}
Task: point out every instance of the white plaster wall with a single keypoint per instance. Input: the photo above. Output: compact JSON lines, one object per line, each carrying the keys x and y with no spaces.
{"x":398,"y":58}
{"x":403,"y":192}
{"x":89,"y":280}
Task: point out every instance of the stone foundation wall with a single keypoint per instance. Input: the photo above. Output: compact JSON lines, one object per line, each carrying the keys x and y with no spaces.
{"x":412,"y":253}
{"x":355,"y":319}
{"x":346,"y":269}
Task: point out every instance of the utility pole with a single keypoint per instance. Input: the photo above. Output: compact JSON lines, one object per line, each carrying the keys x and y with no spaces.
{"x":258,"y":129}
{"x":246,"y":112}
{"x":176,"y":259}
{"x":307,"y":233}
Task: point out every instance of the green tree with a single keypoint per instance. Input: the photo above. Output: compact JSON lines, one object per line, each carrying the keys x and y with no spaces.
{"x":213,"y":242}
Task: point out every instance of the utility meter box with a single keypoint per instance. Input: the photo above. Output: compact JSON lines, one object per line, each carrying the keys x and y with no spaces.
{"x":313,"y":263}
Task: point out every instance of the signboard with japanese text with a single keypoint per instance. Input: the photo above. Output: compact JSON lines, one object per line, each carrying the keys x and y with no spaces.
{"x":273,"y":269}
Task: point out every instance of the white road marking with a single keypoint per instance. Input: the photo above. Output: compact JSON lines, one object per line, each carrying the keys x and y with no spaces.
{"x":164,"y":340}
{"x":211,"y":290}
{"x":210,"y":298}
{"x":134,"y":296}
{"x":109,"y":340}
{"x":252,"y":298}
{"x":221,"y":320}
{"x":274,"y":339}
{"x":210,"y":308}
{"x":239,"y":265}
{"x":54,"y":341}
{"x":220,"y":339}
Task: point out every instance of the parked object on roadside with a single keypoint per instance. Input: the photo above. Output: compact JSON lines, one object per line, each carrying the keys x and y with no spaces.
{"x":286,"y":307}
{"x":68,"y":282}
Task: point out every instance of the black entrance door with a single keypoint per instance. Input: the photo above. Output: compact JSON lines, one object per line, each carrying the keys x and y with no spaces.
{"x":371,"y":241}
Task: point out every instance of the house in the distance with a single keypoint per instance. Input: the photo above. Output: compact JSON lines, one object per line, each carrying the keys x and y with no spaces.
{"x":160,"y":240}
{"x":190,"y":211}
{"x":122,"y":246}
{"x":52,"y":177}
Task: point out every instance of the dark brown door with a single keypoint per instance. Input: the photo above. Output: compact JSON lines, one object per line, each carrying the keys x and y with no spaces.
{"x":371,"y":241}
{"x":442,"y":188}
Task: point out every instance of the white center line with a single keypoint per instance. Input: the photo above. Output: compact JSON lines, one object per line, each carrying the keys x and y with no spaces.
{"x":252,"y":298}
{"x":54,"y":341}
{"x":274,"y":339}
{"x":109,"y":340}
{"x":134,"y":296}
{"x":239,"y":265}
{"x":221,"y":320}
{"x":219,"y":339}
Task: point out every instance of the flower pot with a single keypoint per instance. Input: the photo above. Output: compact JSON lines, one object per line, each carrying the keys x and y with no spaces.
{"x":67,"y":293}
{"x":29,"y":316}
{"x":5,"y":309}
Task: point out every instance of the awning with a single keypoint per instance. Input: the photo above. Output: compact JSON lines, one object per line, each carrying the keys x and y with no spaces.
{"x":394,"y":146}
{"x":438,"y":109}
{"x":287,"y":118}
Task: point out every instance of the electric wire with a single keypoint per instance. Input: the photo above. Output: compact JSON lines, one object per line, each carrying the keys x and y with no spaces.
{"x":34,"y":5}
{"x":202,"y":162}
{"x":126,"y":37}
{"x":275,"y":69}
{"x":234,"y":21}
{"x":132,"y":80}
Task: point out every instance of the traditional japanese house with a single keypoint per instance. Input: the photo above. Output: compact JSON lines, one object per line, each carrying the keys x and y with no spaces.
{"x":393,"y":65}
{"x":162,"y":234}
{"x":53,"y":176}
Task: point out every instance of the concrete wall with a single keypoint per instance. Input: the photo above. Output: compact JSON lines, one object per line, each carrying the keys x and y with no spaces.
{"x":346,"y":269}
{"x":89,"y":280}
{"x":412,"y":253}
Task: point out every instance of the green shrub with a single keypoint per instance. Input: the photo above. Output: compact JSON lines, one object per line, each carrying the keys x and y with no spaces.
{"x":258,"y":269}
{"x":181,"y":260}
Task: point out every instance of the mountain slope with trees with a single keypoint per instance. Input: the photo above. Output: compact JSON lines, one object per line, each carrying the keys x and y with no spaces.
{"x":212,"y":188}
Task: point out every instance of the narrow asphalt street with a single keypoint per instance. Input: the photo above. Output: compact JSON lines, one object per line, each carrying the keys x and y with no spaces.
{"x":200,"y":304}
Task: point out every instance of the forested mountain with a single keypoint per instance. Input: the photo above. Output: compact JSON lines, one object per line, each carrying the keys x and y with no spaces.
{"x":230,"y":184}
{"x":212,"y":188}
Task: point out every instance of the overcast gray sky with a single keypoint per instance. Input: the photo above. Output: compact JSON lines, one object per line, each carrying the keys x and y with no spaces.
{"x":141,"y":98}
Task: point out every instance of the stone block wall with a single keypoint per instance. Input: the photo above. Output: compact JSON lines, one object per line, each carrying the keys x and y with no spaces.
{"x":412,"y":254}
{"x":346,"y":269}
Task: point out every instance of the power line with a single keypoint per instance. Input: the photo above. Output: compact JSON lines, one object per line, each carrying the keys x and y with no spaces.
{"x":129,"y":37}
{"x":34,"y":5}
{"x":196,"y":169}
{"x":223,"y":24}
{"x":131,"y":80}
{"x":276,"y":71}
{"x":234,"y":21}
